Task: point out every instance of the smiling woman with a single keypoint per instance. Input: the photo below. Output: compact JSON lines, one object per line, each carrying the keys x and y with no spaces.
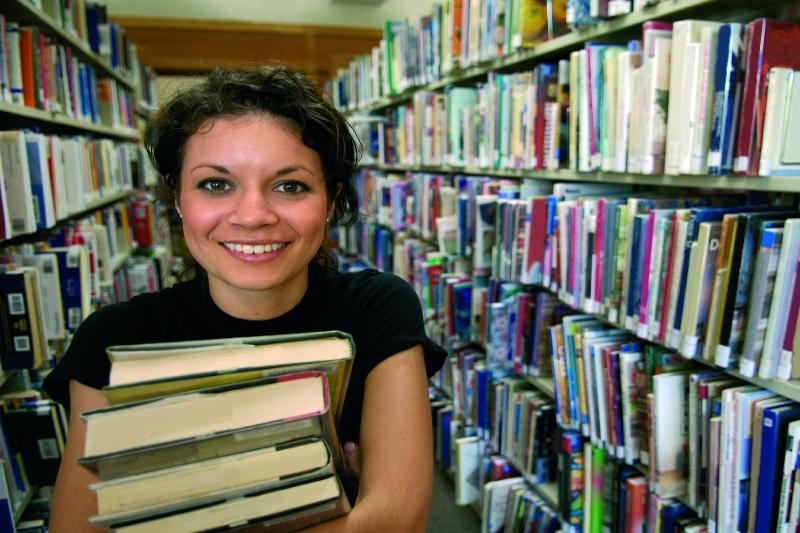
{"x":258,"y":164}
{"x":250,"y":185}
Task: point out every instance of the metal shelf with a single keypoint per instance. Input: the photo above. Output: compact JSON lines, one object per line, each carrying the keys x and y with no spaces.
{"x":56,"y":119}
{"x":23,"y":12}
{"x":751,"y":183}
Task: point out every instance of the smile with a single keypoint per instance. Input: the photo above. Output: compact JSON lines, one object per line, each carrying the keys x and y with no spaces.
{"x":253,"y":248}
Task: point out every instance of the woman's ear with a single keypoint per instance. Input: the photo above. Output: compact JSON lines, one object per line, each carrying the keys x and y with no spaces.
{"x":332,"y":205}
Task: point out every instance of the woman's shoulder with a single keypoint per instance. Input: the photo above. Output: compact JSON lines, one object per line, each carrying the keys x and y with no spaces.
{"x":152,"y":304}
{"x":365,"y":282}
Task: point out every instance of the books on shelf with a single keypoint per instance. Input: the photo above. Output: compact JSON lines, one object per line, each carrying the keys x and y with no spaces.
{"x":683,"y":88}
{"x":259,"y":428}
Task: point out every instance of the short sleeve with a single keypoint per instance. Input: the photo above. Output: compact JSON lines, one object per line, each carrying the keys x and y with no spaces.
{"x":388,"y":320}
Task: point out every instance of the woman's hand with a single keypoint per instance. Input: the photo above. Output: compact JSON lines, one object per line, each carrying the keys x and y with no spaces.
{"x":352,"y":464}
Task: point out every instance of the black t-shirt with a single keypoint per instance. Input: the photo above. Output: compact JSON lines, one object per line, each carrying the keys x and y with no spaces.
{"x":380,"y":311}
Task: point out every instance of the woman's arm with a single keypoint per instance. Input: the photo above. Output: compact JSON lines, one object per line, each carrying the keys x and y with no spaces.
{"x":396,"y":450}
{"x":73,"y":502}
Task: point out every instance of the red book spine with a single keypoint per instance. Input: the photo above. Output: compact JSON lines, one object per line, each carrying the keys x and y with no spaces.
{"x":538,"y":230}
{"x":142,"y":222}
{"x":666,"y":282}
{"x":770,"y":43}
{"x":26,"y":59}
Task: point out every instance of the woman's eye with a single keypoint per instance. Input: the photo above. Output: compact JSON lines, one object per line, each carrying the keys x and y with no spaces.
{"x":291,"y":187}
{"x":214,"y":185}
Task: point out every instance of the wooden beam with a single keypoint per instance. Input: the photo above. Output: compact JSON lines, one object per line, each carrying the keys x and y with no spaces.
{"x":185,"y":46}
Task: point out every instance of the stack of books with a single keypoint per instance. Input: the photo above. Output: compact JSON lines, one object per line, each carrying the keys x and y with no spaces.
{"x":202,"y":435}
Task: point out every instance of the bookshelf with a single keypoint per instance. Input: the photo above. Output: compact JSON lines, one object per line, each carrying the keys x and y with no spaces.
{"x":24,"y":12}
{"x":411,"y":113}
{"x":90,"y":118}
{"x":724,"y":10}
{"x":787,"y":184}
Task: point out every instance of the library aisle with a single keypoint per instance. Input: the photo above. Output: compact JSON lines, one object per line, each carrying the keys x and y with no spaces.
{"x":445,"y":515}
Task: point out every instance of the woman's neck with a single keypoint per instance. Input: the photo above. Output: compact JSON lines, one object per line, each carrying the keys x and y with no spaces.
{"x":264,"y":304}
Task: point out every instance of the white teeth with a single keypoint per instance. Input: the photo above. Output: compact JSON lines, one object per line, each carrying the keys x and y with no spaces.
{"x":253,"y":248}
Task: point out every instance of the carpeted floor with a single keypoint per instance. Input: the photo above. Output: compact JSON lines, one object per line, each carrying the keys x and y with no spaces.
{"x":445,"y":515}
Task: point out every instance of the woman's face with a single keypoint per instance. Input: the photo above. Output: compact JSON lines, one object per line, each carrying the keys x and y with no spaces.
{"x":254,"y":205}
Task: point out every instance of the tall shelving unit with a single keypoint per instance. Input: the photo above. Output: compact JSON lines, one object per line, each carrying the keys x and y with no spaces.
{"x":20,"y":117}
{"x":615,"y":29}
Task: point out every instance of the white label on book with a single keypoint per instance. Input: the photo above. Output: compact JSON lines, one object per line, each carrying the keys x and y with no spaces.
{"x":723,"y":356}
{"x":712,"y":526}
{"x":747,"y":367}
{"x":785,"y":365}
{"x":630,"y":323}
{"x":22,"y":343}
{"x":641,"y":331}
{"x":689,"y":345}
{"x":16,"y":303}
{"x":74,"y":317}
{"x":763,"y":167}
{"x":739,"y":165}
{"x":48,"y":449}
{"x":612,"y":315}
{"x":767,"y":422}
{"x":714,"y":159}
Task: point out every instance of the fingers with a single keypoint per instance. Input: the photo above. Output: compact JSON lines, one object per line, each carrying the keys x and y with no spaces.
{"x":352,"y":457}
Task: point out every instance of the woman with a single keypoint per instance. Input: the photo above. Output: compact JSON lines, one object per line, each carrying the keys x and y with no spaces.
{"x":258,"y":165}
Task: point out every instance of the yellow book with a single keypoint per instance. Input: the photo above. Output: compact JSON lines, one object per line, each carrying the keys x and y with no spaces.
{"x":144,"y":371}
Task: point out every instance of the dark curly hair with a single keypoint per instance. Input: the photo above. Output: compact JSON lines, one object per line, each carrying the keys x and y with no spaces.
{"x":273,"y":91}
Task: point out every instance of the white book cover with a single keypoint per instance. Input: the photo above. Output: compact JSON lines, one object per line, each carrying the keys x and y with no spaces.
{"x":60,"y":192}
{"x":634,"y":147}
{"x":779,"y":81}
{"x":673,"y":332}
{"x":584,"y":136}
{"x":37,"y":146}
{"x":787,"y":163}
{"x":656,"y":84}
{"x":700,"y":122}
{"x":50,"y":286}
{"x":626,"y":62}
{"x":727,"y":453}
{"x":72,"y":164}
{"x":789,"y":461}
{"x":686,"y":52}
{"x":627,"y":372}
{"x":17,"y":182}
{"x":493,"y":503}
{"x":669,"y":427}
{"x":781,"y":298}
{"x":14,"y":63}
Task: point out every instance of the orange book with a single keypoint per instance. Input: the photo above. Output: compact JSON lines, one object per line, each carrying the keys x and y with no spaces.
{"x":26,"y":59}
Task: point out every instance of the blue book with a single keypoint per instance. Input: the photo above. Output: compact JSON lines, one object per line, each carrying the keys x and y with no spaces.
{"x":114,"y":31}
{"x":671,"y":513}
{"x":85,"y":111}
{"x":727,"y":88}
{"x":697,"y":216}
{"x":73,"y":269}
{"x":91,"y":87}
{"x":637,"y":263}
{"x":17,"y":348}
{"x":773,"y":441}
{"x":40,"y":184}
{"x":444,"y":443}
{"x":92,"y":32}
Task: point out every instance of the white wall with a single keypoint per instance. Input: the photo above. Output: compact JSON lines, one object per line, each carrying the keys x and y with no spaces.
{"x":314,"y":12}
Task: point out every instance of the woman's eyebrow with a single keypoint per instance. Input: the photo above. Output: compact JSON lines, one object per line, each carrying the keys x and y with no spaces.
{"x":293,"y":168}
{"x":218,"y":168}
